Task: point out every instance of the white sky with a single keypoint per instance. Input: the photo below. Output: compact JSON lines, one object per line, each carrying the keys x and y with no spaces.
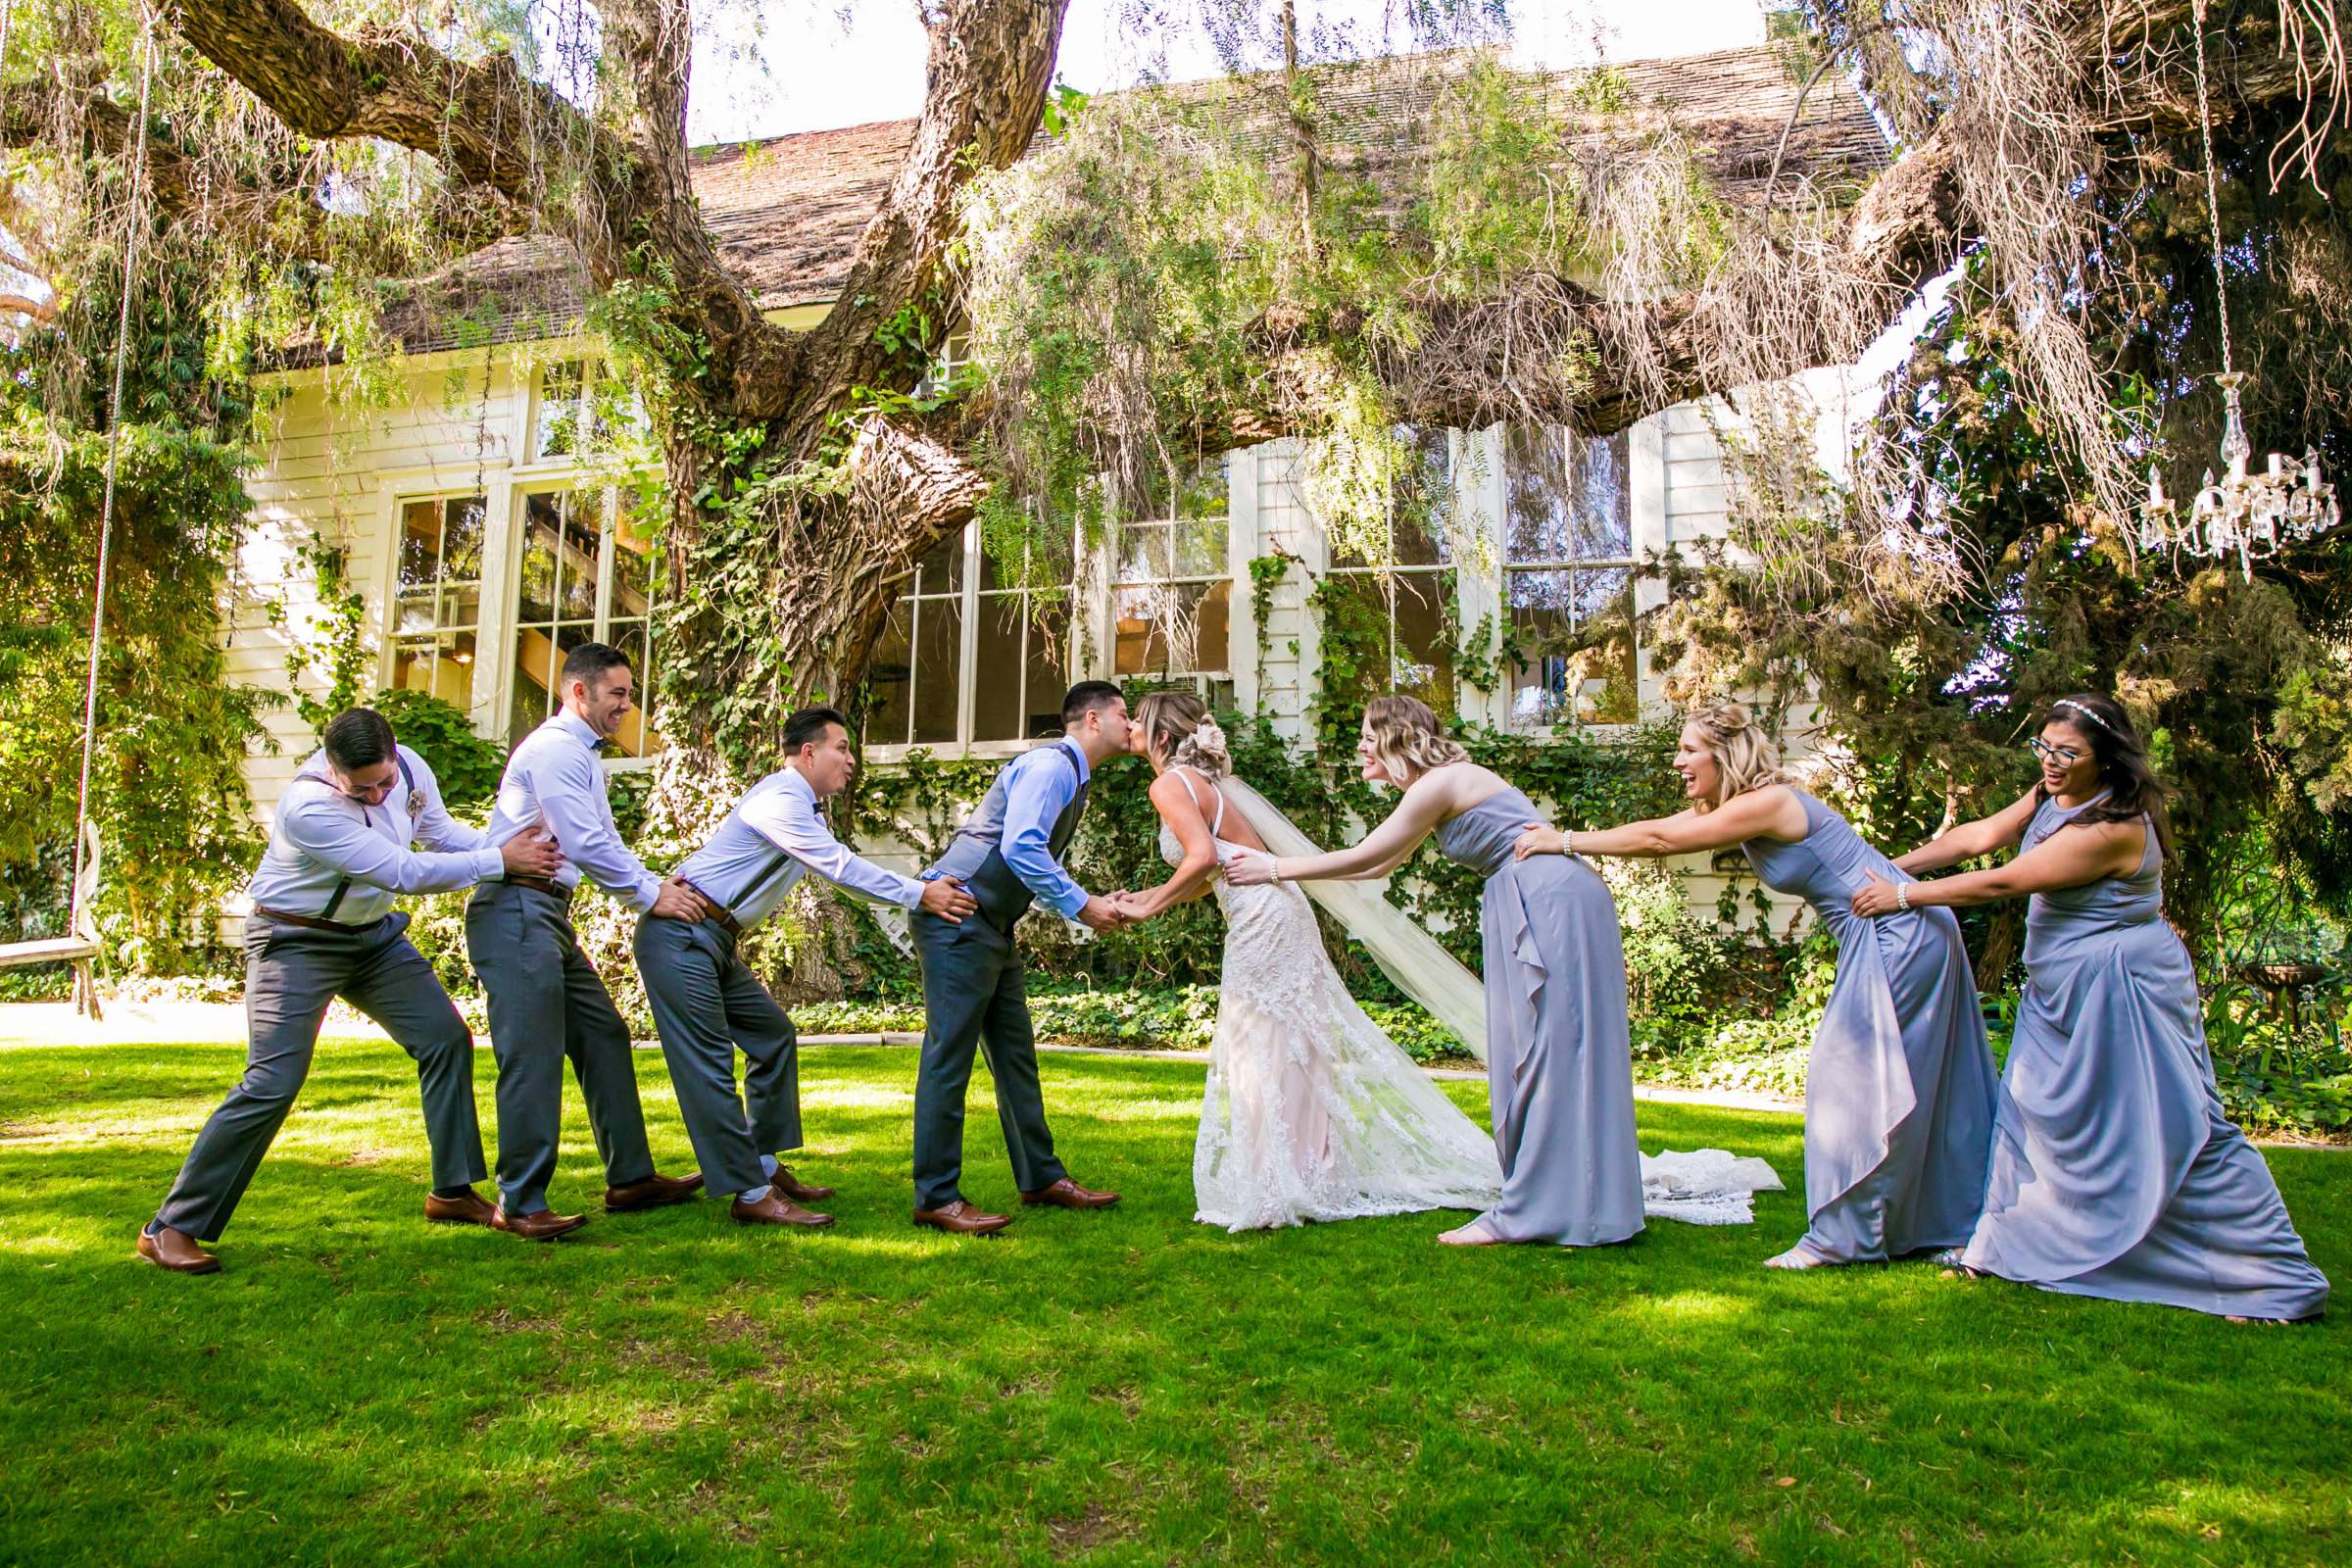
{"x":768,"y":67}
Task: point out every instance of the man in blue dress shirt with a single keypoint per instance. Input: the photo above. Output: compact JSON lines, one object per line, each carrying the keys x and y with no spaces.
{"x":322,"y":926}
{"x":708,"y":1002}
{"x":1006,"y":854}
{"x":547,"y":1002}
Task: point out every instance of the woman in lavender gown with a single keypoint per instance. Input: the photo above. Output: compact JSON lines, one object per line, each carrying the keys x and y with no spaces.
{"x":2115,"y":1172}
{"x":1559,"y":1066}
{"x":1899,"y":1088}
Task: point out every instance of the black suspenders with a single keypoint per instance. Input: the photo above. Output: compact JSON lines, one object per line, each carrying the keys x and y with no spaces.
{"x":343,"y":884}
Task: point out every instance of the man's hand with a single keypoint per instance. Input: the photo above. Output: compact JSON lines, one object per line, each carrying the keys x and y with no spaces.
{"x":531,"y":853}
{"x":1134,"y":905}
{"x":679,"y":902}
{"x":945,"y":897}
{"x":1100,"y":914}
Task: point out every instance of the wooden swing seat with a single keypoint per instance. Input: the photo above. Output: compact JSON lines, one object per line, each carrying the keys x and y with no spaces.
{"x":76,"y":950}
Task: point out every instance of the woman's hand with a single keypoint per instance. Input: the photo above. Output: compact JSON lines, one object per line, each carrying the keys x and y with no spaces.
{"x":1875,"y":898}
{"x":1539,"y":838}
{"x":1249,"y":868}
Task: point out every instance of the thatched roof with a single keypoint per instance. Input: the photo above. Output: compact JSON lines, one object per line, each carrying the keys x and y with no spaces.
{"x":787,"y":213}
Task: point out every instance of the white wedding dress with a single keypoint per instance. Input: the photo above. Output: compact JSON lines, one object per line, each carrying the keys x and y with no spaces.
{"x":1312,"y":1112}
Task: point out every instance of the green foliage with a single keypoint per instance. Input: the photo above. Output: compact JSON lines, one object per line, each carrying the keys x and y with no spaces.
{"x":166,"y":785}
{"x":466,"y":765}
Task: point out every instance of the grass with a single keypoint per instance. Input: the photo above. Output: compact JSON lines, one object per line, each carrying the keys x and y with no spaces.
{"x":1125,"y":1386}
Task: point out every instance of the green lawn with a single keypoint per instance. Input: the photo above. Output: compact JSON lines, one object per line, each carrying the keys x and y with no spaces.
{"x":1125,"y":1386}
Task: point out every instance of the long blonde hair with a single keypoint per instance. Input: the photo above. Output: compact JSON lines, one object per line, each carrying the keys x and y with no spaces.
{"x":1745,"y":758}
{"x":1177,"y":728}
{"x":1406,"y":741}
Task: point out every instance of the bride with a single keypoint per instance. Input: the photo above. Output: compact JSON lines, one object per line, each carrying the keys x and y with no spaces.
{"x":1311,"y":1113}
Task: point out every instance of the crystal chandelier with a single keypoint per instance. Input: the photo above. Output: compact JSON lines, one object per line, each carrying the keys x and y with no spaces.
{"x":2250,"y":514}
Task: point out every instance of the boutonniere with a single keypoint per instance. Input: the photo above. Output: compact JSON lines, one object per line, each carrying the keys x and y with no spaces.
{"x":415,"y":805}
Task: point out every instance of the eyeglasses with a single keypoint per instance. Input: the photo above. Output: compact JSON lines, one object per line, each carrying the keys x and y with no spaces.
{"x":2063,"y":755}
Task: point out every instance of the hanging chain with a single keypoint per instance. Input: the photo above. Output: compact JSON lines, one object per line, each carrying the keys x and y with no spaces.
{"x":2213,"y":204}
{"x":114,"y":445}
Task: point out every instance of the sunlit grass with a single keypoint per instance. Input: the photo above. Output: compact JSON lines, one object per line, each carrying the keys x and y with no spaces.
{"x":1122,"y":1387}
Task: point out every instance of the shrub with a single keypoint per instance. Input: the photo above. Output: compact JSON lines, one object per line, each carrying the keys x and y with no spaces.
{"x":466,"y":765}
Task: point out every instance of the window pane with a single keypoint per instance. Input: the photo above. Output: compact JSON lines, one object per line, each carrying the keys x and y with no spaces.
{"x":889,"y":680}
{"x":1575,"y":633}
{"x":1049,"y":565}
{"x":420,"y":544}
{"x":942,"y":570}
{"x":1424,"y":501}
{"x":996,"y":701}
{"x":562,"y":400}
{"x":1146,"y":551}
{"x":1566,"y":495}
{"x":1195,"y":490}
{"x":1047,"y":672}
{"x":576,"y":564}
{"x":629,"y":637}
{"x":542,"y":529}
{"x":462,"y":540}
{"x":1172,"y":628}
{"x":938,"y":647}
{"x":632,"y":572}
{"x":538,"y":657}
{"x":1421,"y":657}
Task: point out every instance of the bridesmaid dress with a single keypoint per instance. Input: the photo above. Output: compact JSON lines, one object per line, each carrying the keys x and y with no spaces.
{"x":1559,"y":1063}
{"x":1900,"y":1090}
{"x":2115,"y":1172}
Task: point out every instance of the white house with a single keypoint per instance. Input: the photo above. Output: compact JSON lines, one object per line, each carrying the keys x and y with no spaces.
{"x":477,"y":542}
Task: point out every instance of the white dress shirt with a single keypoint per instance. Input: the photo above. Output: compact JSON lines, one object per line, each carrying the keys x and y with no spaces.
{"x":773,"y":836}
{"x":323,"y":838}
{"x":554,"y":781}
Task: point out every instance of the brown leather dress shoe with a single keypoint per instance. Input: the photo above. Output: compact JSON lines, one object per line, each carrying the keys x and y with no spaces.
{"x":177,"y":1250}
{"x":654,"y":1192}
{"x":777,"y":1209}
{"x":798,"y":1192}
{"x":1067,"y":1194}
{"x":960,"y":1218}
{"x":544,"y":1226}
{"x":468,"y":1207}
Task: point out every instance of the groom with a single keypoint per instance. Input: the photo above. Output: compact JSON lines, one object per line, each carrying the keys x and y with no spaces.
{"x":1007,"y":854}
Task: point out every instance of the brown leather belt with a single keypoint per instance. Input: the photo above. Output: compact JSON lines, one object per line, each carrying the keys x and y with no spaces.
{"x":720,"y":916}
{"x":313,"y":922}
{"x":541,"y":883}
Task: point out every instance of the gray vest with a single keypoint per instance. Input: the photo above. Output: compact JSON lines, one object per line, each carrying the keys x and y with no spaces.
{"x":976,"y":860}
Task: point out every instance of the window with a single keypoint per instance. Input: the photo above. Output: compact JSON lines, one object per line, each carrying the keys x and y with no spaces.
{"x":1022,"y":661}
{"x":972,"y":653}
{"x":437,"y":598}
{"x":581,"y":410}
{"x":586,"y":577}
{"x":1568,"y":579}
{"x":1172,"y":584}
{"x":914,"y":678}
{"x":1399,"y":593}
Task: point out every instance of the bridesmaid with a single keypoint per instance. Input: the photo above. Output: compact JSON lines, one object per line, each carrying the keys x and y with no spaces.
{"x":2114,"y":1171}
{"x":1899,"y":1088}
{"x":1560,"y":1063}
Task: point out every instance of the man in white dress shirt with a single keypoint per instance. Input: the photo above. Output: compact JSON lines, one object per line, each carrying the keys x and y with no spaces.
{"x":322,"y":926}
{"x":707,"y":1003}
{"x":547,"y":1002}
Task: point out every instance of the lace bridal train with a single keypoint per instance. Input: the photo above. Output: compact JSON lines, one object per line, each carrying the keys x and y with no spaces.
{"x":1311,"y":1113}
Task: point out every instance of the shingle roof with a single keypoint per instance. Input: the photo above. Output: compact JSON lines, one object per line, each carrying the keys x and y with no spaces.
{"x":787,"y":213}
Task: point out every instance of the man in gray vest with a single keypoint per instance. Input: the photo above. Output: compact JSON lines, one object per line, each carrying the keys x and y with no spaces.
{"x":707,"y":1001}
{"x":1007,"y":854}
{"x":322,"y":926}
{"x":547,"y":1002}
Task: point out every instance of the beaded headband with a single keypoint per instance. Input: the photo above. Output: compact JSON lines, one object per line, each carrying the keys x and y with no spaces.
{"x":2077,"y":707}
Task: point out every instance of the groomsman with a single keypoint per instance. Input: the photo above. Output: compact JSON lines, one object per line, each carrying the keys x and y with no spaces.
{"x":547,"y":1002}
{"x":707,"y":1003}
{"x":974,"y":994}
{"x":322,"y":926}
